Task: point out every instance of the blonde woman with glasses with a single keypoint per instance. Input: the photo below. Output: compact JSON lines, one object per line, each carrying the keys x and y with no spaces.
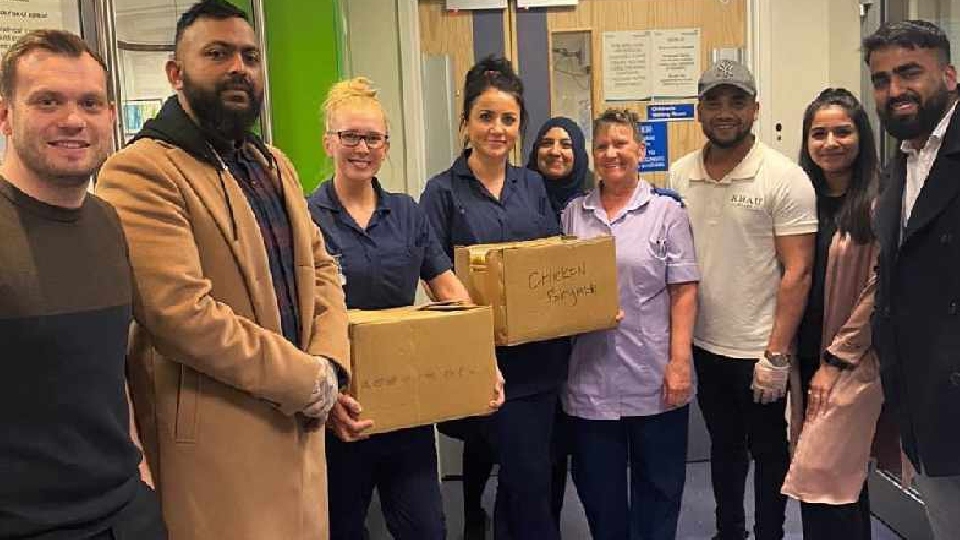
{"x":385,"y":246}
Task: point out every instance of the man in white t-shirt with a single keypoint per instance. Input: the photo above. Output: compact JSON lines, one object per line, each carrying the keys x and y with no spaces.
{"x":754,"y":217}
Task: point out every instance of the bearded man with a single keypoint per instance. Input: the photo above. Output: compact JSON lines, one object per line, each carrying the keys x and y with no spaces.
{"x":916,"y":328}
{"x":240,"y":341}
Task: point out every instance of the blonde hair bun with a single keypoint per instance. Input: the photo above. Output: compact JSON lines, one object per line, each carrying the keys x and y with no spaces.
{"x":355,"y":93}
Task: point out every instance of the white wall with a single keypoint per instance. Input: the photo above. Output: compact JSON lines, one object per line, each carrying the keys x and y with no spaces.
{"x":800,"y":48}
{"x":372,"y":51}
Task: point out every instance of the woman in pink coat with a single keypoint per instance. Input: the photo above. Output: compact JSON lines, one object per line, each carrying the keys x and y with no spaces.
{"x":839,"y":371}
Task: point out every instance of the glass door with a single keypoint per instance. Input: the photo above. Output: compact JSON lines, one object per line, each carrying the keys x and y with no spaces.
{"x":145,"y":31}
{"x":138,"y":38}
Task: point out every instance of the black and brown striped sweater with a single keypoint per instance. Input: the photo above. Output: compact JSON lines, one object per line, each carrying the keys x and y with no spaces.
{"x":66,"y":459}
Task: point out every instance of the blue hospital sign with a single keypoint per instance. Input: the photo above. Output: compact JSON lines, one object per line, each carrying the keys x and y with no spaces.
{"x":655,"y":140}
{"x":669,"y":113}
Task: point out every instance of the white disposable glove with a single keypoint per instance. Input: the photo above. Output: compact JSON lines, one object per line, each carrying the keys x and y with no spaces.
{"x":325,"y":392}
{"x":769,"y":381}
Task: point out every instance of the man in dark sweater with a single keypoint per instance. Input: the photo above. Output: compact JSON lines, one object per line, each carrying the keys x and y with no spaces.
{"x":68,"y":465}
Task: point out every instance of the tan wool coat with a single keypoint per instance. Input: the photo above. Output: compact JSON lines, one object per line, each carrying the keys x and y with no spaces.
{"x":831,"y":456}
{"x":216,"y":387}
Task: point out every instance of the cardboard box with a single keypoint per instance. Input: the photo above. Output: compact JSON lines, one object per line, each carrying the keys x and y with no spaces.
{"x":545,"y":288}
{"x":419,"y":365}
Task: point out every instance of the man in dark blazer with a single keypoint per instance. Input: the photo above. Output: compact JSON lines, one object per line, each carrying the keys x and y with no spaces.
{"x":916,"y":325}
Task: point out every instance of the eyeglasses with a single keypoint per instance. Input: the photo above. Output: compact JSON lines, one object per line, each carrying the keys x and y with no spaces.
{"x":352,"y":138}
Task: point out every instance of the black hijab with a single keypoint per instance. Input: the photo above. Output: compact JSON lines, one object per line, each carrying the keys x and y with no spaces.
{"x":562,"y":190}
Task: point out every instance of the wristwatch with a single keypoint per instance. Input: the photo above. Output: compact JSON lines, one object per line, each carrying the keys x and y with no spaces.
{"x":832,"y":360}
{"x":777,"y":359}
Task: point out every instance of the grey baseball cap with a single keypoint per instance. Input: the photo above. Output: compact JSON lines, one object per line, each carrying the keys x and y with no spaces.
{"x":727,"y":72}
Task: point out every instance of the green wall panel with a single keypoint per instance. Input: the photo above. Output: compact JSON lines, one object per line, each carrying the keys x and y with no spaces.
{"x":242,"y":4}
{"x":303,"y":39}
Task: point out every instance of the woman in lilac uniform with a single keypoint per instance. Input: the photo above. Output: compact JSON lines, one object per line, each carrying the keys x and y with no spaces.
{"x":628,"y":388}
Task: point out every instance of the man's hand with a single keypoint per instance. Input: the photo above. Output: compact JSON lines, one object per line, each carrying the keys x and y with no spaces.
{"x":498,"y":394}
{"x":676,"y":383}
{"x":325,"y":392}
{"x":146,"y":476}
{"x":769,"y":381}
{"x":345,"y":422}
{"x":820,"y":388}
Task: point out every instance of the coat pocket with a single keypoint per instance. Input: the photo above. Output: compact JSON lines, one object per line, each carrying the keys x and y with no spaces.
{"x":187,"y":405}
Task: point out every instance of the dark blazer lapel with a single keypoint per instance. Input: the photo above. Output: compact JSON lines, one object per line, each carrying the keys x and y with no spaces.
{"x":890,"y":206}
{"x":942,"y":185}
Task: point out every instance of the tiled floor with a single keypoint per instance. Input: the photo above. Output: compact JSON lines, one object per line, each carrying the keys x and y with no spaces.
{"x":696,"y":518}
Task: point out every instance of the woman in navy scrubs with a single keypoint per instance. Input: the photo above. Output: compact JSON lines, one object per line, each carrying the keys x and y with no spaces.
{"x":482,"y":198}
{"x":385,"y":245}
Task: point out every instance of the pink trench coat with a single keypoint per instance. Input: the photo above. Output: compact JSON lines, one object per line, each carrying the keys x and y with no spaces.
{"x":830,"y":458}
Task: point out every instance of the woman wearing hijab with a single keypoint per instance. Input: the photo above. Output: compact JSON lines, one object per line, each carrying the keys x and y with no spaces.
{"x":559,"y":154}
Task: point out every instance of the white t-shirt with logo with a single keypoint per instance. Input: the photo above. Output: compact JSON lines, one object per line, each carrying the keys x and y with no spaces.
{"x":734,"y":224}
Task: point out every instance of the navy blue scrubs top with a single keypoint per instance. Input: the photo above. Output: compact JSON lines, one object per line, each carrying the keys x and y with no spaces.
{"x":383,"y":263}
{"x":463,"y":212}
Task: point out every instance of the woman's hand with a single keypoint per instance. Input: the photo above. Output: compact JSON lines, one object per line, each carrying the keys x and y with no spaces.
{"x":821,"y":386}
{"x":344,"y":420}
{"x":676,"y":383}
{"x":498,"y":394}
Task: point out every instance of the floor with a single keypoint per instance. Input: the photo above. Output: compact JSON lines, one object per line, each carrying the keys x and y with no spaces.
{"x":696,"y":517}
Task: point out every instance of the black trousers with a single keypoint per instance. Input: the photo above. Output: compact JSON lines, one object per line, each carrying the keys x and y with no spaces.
{"x":140,"y":519}
{"x":837,"y":521}
{"x":740,"y":429}
{"x":562,"y":446}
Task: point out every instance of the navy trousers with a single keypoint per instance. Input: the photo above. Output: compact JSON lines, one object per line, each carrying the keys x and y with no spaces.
{"x":655,"y":447}
{"x":522,"y":438}
{"x":402,"y":466}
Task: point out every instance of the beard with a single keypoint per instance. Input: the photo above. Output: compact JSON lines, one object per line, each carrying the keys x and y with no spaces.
{"x":928,"y":115}
{"x":214,"y":114}
{"x":738,"y":138}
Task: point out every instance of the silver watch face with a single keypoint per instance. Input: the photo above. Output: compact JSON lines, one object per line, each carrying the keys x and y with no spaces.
{"x":778,"y":359}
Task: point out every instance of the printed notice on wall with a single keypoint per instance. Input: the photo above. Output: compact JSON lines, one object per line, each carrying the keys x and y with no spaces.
{"x":476,"y":4}
{"x":17,"y":17}
{"x":675,"y":62}
{"x":626,"y":66}
{"x":545,"y":3}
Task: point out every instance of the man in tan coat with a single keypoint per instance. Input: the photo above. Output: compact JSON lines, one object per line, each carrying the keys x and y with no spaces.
{"x":240,"y":342}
